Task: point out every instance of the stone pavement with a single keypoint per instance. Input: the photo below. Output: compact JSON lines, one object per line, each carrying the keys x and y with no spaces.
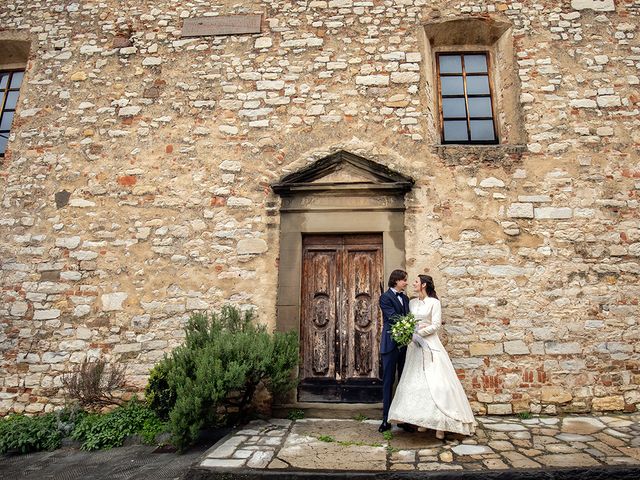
{"x":586,"y":443}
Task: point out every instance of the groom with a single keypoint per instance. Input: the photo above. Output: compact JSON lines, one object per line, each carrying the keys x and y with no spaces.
{"x":392,"y":302}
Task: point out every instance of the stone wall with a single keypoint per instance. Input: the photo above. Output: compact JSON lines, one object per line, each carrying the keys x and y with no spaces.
{"x":136,"y":185}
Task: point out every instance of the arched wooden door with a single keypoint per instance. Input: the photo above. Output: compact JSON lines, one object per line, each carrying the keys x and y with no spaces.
{"x":341,"y":320}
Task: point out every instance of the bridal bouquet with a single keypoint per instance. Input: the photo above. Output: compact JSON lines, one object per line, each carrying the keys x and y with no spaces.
{"x":403,"y":328}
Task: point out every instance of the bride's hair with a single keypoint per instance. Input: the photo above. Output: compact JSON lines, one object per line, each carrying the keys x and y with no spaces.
{"x":427,"y":281}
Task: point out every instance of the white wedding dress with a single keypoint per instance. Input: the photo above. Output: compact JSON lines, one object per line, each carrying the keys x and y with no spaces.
{"x":429,"y":393}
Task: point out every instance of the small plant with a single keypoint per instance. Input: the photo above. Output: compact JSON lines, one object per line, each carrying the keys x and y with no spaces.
{"x":295,"y":414}
{"x":110,"y":430}
{"x":349,"y":443}
{"x":93,"y":383}
{"x":388,"y":436}
{"x":360,"y":418}
{"x":29,"y":434}
{"x":68,"y":418}
{"x":151,"y":428}
{"x":391,"y":450}
{"x":525,"y":415}
{"x":346,"y":443}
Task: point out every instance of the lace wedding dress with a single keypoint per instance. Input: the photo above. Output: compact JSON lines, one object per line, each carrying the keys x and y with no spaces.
{"x":429,"y":393}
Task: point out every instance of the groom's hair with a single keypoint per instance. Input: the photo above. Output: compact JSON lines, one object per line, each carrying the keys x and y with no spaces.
{"x":395,"y":276}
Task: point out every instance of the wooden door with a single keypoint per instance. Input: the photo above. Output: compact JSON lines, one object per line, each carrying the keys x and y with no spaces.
{"x":341,"y":320}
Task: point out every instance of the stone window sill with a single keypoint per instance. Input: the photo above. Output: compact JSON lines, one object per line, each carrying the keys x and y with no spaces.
{"x":472,"y":154}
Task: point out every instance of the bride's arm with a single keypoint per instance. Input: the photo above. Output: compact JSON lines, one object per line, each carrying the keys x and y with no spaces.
{"x":436,"y":321}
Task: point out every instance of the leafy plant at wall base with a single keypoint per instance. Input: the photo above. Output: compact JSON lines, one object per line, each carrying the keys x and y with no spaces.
{"x":151,"y":429}
{"x":295,"y":414}
{"x":29,"y":434}
{"x":110,"y":430}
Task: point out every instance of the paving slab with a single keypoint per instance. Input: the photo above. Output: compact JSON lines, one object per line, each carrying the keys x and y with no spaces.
{"x":583,"y":446}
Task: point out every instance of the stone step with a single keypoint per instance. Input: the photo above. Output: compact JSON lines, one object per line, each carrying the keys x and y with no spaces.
{"x":330,"y":410}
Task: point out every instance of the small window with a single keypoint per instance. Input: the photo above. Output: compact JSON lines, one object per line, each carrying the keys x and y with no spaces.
{"x":10,"y":82}
{"x":466,"y":107}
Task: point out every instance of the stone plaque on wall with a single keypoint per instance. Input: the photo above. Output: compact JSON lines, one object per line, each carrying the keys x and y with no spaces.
{"x":597,"y":5}
{"x":222,"y":25}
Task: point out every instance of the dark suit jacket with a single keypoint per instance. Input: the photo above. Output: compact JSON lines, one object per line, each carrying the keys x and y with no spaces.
{"x":390,"y":306}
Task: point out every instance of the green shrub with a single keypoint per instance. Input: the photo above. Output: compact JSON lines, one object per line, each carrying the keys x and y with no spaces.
{"x":109,"y":430}
{"x":222,"y":355}
{"x":160,"y":397}
{"x":29,"y":434}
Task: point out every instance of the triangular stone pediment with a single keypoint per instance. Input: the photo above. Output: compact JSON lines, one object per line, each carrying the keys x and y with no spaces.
{"x":344,"y":170}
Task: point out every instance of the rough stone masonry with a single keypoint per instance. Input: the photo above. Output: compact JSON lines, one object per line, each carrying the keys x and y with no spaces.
{"x":135,"y":187}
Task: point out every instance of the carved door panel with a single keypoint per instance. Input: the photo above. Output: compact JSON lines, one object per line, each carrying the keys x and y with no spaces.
{"x":363,"y":316}
{"x":319,"y":302}
{"x":341,"y":320}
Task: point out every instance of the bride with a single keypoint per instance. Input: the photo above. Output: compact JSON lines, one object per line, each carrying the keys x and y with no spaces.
{"x":429,"y":394}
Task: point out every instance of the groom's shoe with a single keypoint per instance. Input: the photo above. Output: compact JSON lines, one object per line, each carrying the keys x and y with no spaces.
{"x":384,"y":426}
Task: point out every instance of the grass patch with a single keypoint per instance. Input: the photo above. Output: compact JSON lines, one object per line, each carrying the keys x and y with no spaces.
{"x":525,"y":415}
{"x":360,"y":418}
{"x":391,"y":449}
{"x":295,"y":414}
{"x":346,"y":443}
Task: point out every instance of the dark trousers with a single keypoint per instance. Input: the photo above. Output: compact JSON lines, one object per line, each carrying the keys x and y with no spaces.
{"x":392,"y":361}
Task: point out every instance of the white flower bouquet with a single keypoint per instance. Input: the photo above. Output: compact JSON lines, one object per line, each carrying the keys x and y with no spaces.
{"x":403,"y":328}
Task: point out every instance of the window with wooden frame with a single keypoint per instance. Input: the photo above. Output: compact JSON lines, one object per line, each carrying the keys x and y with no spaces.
{"x":466,"y":103}
{"x":10,"y":82}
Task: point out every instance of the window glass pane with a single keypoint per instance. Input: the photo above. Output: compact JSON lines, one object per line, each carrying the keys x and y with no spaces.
{"x":478,"y":84}
{"x":12,"y":100}
{"x":452,"y":86}
{"x":4,"y":78}
{"x":5,"y":123}
{"x":453,"y":107}
{"x":455,"y":131}
{"x":482,"y":130}
{"x":16,"y":79}
{"x":475,"y":63}
{"x":480,"y":107}
{"x":3,"y":142}
{"x":450,"y":64}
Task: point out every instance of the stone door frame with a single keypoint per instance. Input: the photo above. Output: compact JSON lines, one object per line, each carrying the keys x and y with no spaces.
{"x":368,"y":198}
